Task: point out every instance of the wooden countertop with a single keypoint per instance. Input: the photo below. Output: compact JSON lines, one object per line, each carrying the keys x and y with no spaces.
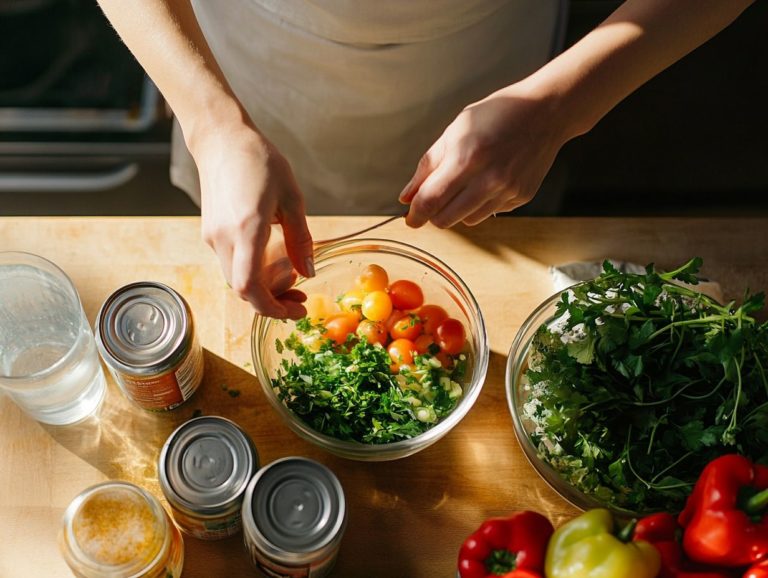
{"x":407,"y":518}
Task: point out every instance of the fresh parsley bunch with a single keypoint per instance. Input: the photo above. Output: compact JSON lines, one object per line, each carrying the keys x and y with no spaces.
{"x":639,"y":381}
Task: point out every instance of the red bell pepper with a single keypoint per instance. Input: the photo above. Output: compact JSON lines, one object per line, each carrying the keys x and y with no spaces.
{"x":663,"y":531}
{"x":725,"y":518}
{"x":759,"y":570}
{"x":512,"y":547}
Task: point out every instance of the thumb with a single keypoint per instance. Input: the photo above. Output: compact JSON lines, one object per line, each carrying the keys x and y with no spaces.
{"x":426,"y":165}
{"x":298,"y":239}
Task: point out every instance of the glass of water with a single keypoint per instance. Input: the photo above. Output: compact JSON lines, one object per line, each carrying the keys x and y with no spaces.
{"x":48,"y":360}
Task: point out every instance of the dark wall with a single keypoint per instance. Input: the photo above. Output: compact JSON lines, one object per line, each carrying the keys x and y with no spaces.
{"x":692,"y":140}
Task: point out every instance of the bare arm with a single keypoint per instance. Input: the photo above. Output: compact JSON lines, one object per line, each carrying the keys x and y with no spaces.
{"x":494,"y":156}
{"x":246,"y":184}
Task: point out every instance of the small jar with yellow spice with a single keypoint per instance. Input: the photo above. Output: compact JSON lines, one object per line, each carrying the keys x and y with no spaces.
{"x":119,"y":530}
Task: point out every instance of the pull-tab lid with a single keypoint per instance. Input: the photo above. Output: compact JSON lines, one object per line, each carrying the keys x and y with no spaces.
{"x":143,"y":324}
{"x":298,"y":505}
{"x":206,"y":464}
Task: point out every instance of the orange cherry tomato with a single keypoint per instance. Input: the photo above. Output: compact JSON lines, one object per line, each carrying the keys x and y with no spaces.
{"x":401,"y":353}
{"x":372,"y":331}
{"x":423,"y":342}
{"x":338,"y":326}
{"x":372,"y":278}
{"x":407,"y":327}
{"x":450,"y":336}
{"x":376,"y":306}
{"x":431,"y":316}
{"x":406,"y":295}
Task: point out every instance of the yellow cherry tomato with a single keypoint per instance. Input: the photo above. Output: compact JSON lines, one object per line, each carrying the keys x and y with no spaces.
{"x":372,"y":278}
{"x":319,"y":307}
{"x":377,"y":306}
{"x":351,"y":302}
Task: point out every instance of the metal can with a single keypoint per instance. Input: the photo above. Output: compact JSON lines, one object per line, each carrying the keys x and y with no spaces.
{"x":294,"y":516}
{"x":204,"y":469}
{"x":146,"y":336}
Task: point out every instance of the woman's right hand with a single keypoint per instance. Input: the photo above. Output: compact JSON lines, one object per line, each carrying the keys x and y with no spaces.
{"x":247,"y":186}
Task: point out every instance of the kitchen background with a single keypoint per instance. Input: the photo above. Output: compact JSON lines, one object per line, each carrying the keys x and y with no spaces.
{"x":82,"y":131}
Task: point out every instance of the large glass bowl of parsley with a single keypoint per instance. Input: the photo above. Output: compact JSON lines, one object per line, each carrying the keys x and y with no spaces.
{"x":624,"y":387}
{"x":345,"y":399}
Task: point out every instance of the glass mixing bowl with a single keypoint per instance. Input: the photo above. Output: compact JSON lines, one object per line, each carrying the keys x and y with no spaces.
{"x":517,"y":396}
{"x":336,"y":267}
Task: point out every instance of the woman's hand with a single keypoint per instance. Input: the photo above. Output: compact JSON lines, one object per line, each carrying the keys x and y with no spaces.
{"x":247,"y":185}
{"x":492,"y":158}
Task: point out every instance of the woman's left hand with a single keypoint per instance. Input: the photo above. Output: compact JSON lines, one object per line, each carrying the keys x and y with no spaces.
{"x":492,"y":158}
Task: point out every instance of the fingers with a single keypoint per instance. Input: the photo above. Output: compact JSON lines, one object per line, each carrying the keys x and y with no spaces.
{"x":437,"y":190}
{"x":247,"y":279}
{"x":490,"y":208}
{"x":426,"y":165}
{"x":298,"y":239}
{"x":464,"y":204}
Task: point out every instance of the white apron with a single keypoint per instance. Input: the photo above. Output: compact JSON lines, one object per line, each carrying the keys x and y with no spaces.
{"x":353,"y":92}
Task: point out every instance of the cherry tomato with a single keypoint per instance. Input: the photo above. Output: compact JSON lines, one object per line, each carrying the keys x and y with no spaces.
{"x":446,"y":361}
{"x":431,"y":316}
{"x":423,"y":342}
{"x":338,"y":326}
{"x":351,"y":302}
{"x":393,"y":317}
{"x":450,"y":336}
{"x":319,"y":307}
{"x":401,"y":353}
{"x":407,"y":327}
{"x":377,"y":306}
{"x":406,"y":295}
{"x":372,"y":278}
{"x":372,"y":331}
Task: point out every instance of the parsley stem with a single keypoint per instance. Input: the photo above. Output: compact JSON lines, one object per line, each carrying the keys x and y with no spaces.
{"x":669,"y":467}
{"x":698,"y":321}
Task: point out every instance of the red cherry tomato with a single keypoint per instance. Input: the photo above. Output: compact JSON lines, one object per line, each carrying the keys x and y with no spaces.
{"x":450,"y":336}
{"x":423,"y":342}
{"x":372,"y":331}
{"x":338,"y":326}
{"x":446,"y":361}
{"x":372,"y":278}
{"x":407,"y":327}
{"x":431,"y":316}
{"x":401,"y":352}
{"x":406,"y":295}
{"x":392,"y":319}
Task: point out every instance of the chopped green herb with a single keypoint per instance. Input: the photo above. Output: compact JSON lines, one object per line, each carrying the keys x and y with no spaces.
{"x":350,"y":393}
{"x":638,"y":382}
{"x":197,"y":413}
{"x":233,"y":392}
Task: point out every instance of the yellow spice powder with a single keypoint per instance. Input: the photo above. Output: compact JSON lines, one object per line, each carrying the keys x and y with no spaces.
{"x":115,"y":527}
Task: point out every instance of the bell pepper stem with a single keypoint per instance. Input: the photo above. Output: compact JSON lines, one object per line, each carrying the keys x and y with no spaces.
{"x":757,"y":503}
{"x":625,"y":534}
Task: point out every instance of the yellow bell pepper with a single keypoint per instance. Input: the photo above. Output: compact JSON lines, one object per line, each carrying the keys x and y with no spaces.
{"x":586,"y":547}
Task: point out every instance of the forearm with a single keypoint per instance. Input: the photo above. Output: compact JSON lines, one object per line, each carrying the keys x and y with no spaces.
{"x":639,"y":40}
{"x":166,"y":39}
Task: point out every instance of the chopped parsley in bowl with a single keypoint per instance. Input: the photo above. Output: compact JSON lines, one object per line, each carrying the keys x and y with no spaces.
{"x":383,"y":366}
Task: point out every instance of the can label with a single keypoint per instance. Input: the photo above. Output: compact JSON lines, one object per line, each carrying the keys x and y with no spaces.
{"x":208,"y":528}
{"x":168,"y":390}
{"x":317,"y":569}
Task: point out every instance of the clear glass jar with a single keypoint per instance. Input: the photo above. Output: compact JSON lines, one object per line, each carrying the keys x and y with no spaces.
{"x":118,"y":530}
